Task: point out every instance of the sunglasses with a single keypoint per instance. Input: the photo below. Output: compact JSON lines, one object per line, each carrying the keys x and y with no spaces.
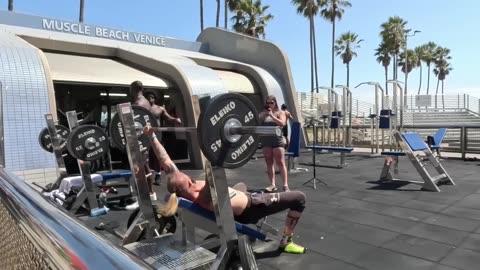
{"x":271,"y":102}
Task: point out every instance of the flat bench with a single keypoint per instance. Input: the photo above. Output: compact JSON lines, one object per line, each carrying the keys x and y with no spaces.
{"x":341,"y":150}
{"x":75,"y":181}
{"x":210,"y":216}
{"x":116,"y":175}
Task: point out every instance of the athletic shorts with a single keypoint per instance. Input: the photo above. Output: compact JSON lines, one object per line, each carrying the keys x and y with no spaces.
{"x":261,"y":205}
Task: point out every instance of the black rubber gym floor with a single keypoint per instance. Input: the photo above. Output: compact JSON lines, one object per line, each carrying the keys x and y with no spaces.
{"x":355,"y":223}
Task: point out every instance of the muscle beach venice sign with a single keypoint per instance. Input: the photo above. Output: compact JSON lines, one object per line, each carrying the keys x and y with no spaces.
{"x":29,"y":21}
{"x":103,"y":32}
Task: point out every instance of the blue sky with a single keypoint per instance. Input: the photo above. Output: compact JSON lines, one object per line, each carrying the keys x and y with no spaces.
{"x":448,"y":24}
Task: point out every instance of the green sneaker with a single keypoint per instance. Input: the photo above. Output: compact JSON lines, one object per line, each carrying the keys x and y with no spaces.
{"x":294,"y":248}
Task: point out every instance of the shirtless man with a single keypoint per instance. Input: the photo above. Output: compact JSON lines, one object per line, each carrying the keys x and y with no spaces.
{"x":136,"y":91}
{"x":160,"y":114}
{"x":159,"y":111}
{"x":247,"y":208}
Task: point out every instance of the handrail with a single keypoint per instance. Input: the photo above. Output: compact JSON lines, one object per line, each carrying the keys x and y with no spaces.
{"x":410,"y":126}
{"x":64,"y":241}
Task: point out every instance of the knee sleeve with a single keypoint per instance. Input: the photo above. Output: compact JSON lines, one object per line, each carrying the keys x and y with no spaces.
{"x":299,"y":200}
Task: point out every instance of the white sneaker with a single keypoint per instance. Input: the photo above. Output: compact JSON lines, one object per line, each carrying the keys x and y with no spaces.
{"x":153,"y":196}
{"x":132,"y":206}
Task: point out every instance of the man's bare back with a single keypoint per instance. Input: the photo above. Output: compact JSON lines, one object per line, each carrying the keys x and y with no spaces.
{"x":142,"y":101}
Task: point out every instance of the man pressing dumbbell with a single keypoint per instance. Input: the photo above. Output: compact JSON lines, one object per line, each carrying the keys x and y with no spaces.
{"x":247,"y":208}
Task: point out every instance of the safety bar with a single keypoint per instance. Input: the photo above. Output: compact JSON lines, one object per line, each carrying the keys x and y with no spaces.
{"x":59,"y":240}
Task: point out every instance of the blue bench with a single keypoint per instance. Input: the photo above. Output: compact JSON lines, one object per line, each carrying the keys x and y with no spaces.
{"x":208,"y":223}
{"x":420,"y":155}
{"x":293,"y":151}
{"x":115,"y":175}
{"x":341,"y":150}
{"x":435,"y":141}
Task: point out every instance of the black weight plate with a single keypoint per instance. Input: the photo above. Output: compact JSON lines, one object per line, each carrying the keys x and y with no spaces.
{"x":46,"y":142}
{"x":87,"y":142}
{"x":211,"y":130}
{"x":247,"y":258}
{"x":142,"y":116}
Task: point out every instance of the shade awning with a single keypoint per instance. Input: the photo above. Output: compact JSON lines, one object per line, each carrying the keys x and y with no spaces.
{"x":95,"y":70}
{"x":235,"y":82}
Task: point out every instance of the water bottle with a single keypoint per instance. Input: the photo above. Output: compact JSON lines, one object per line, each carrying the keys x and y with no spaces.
{"x":98,"y":211}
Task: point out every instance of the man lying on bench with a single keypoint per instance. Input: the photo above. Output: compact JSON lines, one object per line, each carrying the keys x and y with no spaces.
{"x":247,"y":207}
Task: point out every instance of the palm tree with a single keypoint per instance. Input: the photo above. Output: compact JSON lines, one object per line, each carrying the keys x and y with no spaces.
{"x":393,"y":35}
{"x":383,"y":57}
{"x":419,"y":51}
{"x":201,"y":15}
{"x":225,"y":17}
{"x":251,"y":18}
{"x":10,"y":5}
{"x":232,"y":6}
{"x":428,"y":58}
{"x":309,"y":9}
{"x":411,"y":63}
{"x":442,"y":67}
{"x":441,"y":70}
{"x":333,"y":10}
{"x":345,"y":47}
{"x":82,"y":8}
{"x":217,"y":24}
{"x":442,"y":53}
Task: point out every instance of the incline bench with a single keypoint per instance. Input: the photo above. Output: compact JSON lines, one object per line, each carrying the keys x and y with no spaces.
{"x":199,"y":217}
{"x":341,"y":150}
{"x":413,"y":147}
{"x":435,"y":141}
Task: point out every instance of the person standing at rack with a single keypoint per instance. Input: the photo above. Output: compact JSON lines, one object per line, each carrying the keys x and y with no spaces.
{"x":274,"y":146}
{"x":136,"y":91}
{"x":160,"y":114}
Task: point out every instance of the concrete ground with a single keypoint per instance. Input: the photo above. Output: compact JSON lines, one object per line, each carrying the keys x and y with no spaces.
{"x":353,"y":222}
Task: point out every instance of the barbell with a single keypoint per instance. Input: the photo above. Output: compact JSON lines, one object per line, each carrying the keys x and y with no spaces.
{"x":227,"y":130}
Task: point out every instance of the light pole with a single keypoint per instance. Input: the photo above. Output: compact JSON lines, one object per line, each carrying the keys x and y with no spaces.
{"x":377,"y":87}
{"x":406,"y":55}
{"x":374,"y":126}
{"x":347,"y":109}
{"x":331,"y":94}
{"x":395,"y":105}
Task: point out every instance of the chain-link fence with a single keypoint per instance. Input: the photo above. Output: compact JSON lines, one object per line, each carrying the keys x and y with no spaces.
{"x":16,"y":249}
{"x":36,"y":234}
